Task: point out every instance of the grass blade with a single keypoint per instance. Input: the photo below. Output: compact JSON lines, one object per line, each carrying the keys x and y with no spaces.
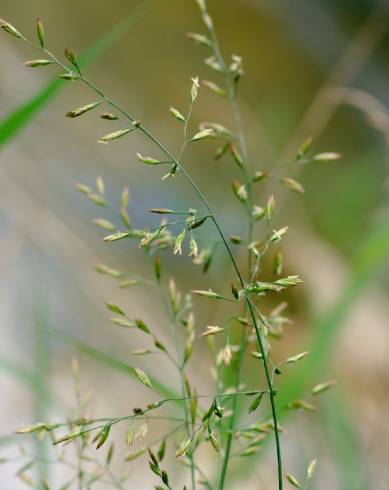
{"x":17,"y":371}
{"x":41,"y":368}
{"x":109,"y":360}
{"x":343,"y":441}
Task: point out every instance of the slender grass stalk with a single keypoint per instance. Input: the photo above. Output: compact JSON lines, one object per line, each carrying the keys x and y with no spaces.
{"x":42,"y":357}
{"x":180,"y":367}
{"x":232,"y":96}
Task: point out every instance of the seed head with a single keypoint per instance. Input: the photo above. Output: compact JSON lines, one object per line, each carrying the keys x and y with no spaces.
{"x":320,"y":388}
{"x":40,"y":32}
{"x":311,"y":468}
{"x":69,"y":76}
{"x":199,"y":39}
{"x":202,"y":5}
{"x":7,"y":27}
{"x":293,"y":481}
{"x":227,"y":355}
{"x":143,"y":378}
{"x":195,"y":89}
{"x":148,"y":160}
{"x":213,"y":87}
{"x":108,"y":116}
{"x":82,"y":110}
{"x":177,"y":114}
{"x":326,"y":157}
{"x":304,"y":148}
{"x":183,"y":448}
{"x":103,"y":436}
{"x":258,"y":213}
{"x":212,"y":330}
{"x":114,"y":136}
{"x":270,"y":206}
{"x":297,"y":357}
{"x":258,"y":176}
{"x":38,"y":63}
{"x":293,"y":185}
{"x":207,"y":294}
{"x":71,"y":57}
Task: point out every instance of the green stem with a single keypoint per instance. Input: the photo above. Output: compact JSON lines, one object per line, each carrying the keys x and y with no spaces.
{"x":180,"y":368}
{"x":242,"y":142}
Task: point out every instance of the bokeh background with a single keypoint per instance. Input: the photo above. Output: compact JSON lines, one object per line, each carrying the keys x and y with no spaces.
{"x":317,"y":67}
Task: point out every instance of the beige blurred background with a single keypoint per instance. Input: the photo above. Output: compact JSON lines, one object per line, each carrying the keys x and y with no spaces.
{"x":317,"y":67}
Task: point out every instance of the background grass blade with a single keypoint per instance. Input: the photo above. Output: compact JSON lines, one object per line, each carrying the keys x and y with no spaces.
{"x":22,"y":115}
{"x":42,"y":361}
{"x":17,"y":371}
{"x":343,"y":441}
{"x":109,"y":360}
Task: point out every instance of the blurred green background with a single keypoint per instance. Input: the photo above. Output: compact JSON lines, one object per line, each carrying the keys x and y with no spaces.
{"x":317,"y":67}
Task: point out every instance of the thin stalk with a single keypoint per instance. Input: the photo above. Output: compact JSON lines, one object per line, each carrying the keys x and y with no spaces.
{"x":243,"y":340}
{"x":81,"y":443}
{"x":206,"y":482}
{"x":180,"y":368}
{"x":105,"y":467}
{"x":103,"y":422}
{"x":186,"y":122}
{"x":242,"y":143}
{"x":187,"y":427}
